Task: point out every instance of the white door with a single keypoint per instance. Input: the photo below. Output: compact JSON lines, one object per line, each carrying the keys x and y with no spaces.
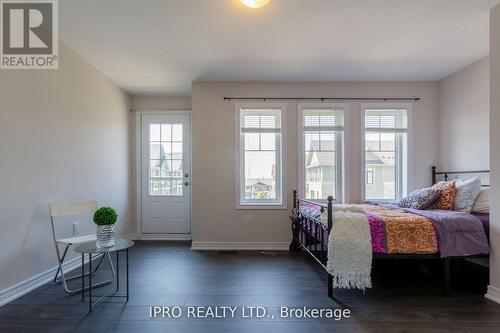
{"x":166,"y":174}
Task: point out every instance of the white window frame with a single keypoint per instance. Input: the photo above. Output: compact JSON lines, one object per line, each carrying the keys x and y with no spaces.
{"x":281,"y":201}
{"x":409,"y":148}
{"x":341,"y":141}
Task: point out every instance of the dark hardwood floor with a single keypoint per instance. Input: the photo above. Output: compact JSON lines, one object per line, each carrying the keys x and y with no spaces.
{"x":407,"y":296}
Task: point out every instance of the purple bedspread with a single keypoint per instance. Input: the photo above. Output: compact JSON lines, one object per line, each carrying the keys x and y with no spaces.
{"x":458,"y":233}
{"x":485,"y":220}
{"x":377,"y":231}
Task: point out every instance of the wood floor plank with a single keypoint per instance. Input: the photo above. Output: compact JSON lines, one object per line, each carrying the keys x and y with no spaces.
{"x":407,"y":296}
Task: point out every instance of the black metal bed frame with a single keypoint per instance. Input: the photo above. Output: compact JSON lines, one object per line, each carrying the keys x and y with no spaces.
{"x":302,"y":240}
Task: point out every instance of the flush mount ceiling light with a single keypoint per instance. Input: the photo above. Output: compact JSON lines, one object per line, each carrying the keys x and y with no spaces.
{"x":255,"y":3}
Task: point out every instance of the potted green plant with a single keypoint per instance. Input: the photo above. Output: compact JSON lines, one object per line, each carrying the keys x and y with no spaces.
{"x":105,"y":219}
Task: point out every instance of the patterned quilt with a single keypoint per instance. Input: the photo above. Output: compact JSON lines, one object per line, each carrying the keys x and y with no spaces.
{"x":399,"y":231}
{"x":409,"y":231}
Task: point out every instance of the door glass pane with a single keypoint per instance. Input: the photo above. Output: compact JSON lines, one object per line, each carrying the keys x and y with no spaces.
{"x":176,"y":168}
{"x":165,"y":160}
{"x":154,"y":132}
{"x":177,"y":150}
{"x":166,"y":132}
{"x":166,"y":168}
{"x":177,"y":132}
{"x":155,"y":151}
{"x":166,"y":149}
{"x":155,"y":168}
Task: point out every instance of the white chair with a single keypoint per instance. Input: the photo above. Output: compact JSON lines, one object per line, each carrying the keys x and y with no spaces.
{"x":62,"y":210}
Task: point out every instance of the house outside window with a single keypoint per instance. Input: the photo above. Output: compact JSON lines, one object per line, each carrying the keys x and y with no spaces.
{"x":322,"y":129}
{"x":386,"y":153}
{"x":260,"y":140}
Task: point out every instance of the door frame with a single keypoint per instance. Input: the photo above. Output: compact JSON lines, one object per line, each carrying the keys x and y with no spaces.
{"x":138,"y":173}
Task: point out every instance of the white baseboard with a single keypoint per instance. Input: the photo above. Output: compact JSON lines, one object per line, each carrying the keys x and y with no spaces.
{"x":165,"y":237}
{"x":493,"y":294}
{"x":132,"y":236}
{"x":24,"y":287}
{"x":30,"y":284}
{"x":271,"y":246}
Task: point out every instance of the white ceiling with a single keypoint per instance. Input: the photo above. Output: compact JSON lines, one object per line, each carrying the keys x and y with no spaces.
{"x":161,"y":46}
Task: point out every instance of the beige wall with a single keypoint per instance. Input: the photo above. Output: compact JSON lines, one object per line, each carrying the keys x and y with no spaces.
{"x":214,"y":216}
{"x":464,"y":116}
{"x":141,"y":103}
{"x":64,"y":137}
{"x":494,"y":288}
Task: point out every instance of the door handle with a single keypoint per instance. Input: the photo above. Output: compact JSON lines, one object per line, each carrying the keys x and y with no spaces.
{"x":186,"y":183}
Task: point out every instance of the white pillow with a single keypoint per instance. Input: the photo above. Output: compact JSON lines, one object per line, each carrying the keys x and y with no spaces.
{"x":467,"y":193}
{"x":482,"y":204}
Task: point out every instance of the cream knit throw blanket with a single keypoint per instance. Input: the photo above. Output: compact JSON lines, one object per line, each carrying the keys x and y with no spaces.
{"x":350,"y":248}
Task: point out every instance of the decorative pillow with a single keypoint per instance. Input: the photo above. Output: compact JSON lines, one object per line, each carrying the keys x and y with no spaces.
{"x":420,"y":199}
{"x":446,"y":200}
{"x":482,"y":204}
{"x":467,"y":193}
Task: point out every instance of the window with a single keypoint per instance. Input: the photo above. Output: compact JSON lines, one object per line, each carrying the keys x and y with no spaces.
{"x":260,"y":155}
{"x":386,"y":156}
{"x":165,"y":160}
{"x":321,"y":161}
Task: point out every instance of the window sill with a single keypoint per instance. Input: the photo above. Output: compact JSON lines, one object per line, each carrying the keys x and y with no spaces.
{"x":262,"y":206}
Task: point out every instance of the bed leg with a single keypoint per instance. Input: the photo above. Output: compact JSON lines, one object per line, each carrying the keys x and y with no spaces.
{"x":446,"y":277}
{"x":330,"y":286}
{"x":294,"y":245}
{"x":330,"y":293}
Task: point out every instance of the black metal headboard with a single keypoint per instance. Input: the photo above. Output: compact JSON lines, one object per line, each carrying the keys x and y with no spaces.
{"x":446,"y":174}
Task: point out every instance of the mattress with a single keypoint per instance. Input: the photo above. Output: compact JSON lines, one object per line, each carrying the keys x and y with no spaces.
{"x":485,"y":220}
{"x":396,"y":230}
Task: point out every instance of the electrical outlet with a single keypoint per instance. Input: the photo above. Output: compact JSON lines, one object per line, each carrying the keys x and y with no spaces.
{"x":76,"y":228}
{"x":248,"y":219}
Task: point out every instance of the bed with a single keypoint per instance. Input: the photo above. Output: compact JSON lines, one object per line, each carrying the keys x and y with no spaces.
{"x":428,"y":234}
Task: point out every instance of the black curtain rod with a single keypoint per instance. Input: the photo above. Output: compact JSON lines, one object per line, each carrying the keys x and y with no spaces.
{"x":415,"y":99}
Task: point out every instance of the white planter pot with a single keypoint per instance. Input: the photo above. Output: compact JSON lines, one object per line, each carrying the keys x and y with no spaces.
{"x":105,"y":235}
